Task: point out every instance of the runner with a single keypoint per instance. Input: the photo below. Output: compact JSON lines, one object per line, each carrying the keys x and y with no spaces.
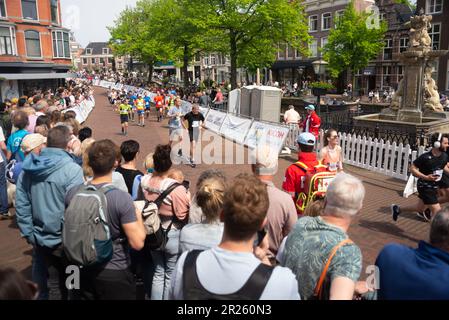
{"x":132,"y":102}
{"x":195,"y":120}
{"x":140,"y":106}
{"x":176,"y":125}
{"x":428,"y":168}
{"x":124,"y":109}
{"x":159,"y":101}
{"x":147,"y":100}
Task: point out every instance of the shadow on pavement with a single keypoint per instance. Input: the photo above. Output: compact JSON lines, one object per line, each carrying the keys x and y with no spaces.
{"x":386,"y":227}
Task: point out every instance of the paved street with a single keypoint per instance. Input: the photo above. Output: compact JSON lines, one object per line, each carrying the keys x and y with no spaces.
{"x":372,"y":229}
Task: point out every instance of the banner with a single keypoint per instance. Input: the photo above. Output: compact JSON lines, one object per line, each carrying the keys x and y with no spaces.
{"x":411,"y":186}
{"x":267,"y":134}
{"x":214,"y":120}
{"x":235,"y":128}
{"x":82,"y":110}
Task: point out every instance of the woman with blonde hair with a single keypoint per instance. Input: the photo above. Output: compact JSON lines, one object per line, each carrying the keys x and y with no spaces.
{"x":209,"y":197}
{"x":85,"y":145}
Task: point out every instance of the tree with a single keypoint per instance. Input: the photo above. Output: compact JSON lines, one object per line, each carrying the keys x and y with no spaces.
{"x":353,"y":42}
{"x":251,"y":30}
{"x":176,"y":24}
{"x":410,"y":4}
{"x":134,"y":34}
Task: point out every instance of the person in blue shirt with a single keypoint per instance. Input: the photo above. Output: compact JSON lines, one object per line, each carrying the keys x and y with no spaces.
{"x":147,"y":100}
{"x":417,"y":274}
{"x":13,"y":151}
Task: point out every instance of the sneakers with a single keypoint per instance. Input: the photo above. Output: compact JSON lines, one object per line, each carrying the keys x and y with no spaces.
{"x":5,"y":216}
{"x":426,"y":215}
{"x":395,"y":211}
{"x":192,"y":164}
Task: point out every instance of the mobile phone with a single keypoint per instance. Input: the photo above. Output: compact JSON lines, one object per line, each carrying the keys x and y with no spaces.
{"x":260,"y":236}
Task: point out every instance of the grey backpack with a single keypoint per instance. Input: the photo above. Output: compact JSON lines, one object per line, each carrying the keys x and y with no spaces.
{"x":86,"y":236}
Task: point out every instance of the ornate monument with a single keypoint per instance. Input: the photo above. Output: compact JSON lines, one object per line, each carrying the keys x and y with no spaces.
{"x":415,"y":107}
{"x":417,"y":95}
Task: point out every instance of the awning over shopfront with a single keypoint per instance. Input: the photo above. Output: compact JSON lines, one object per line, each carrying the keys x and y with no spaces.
{"x":35,"y":76}
{"x":291,"y":64}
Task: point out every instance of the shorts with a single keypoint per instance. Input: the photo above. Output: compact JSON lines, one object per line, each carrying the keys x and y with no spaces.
{"x":147,"y":108}
{"x":140,"y":112}
{"x":444,"y":183}
{"x":124,"y":118}
{"x":175,"y":134}
{"x":194,"y":135}
{"x":428,"y":195}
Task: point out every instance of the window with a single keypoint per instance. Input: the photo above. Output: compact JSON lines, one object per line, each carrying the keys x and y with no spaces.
{"x":2,"y":9}
{"x":7,"y":41}
{"x":206,"y":61}
{"x":29,"y":9}
{"x":403,"y":44}
{"x":213,"y":60}
{"x":326,"y":21}
{"x":400,"y":71}
{"x":313,"y":48}
{"x":197,"y":57}
{"x":88,"y":50}
{"x":313,"y":23}
{"x":386,"y":79}
{"x":84,"y":61}
{"x":435,"y":68}
{"x":324,"y":41}
{"x":435,"y":36}
{"x":282,"y":49}
{"x":110,"y":60}
{"x":105,"y":50}
{"x":101,"y":60}
{"x":338,"y":15}
{"x":61,"y":45}
{"x":33,"y":44}
{"x":93,"y":61}
{"x":290,"y":52}
{"x":434,"y":6}
{"x":388,"y":49}
{"x":54,"y":11}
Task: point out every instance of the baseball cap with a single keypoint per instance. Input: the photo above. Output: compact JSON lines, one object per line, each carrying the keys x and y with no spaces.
{"x":307,"y":139}
{"x":32,"y":141}
{"x":310,"y":107}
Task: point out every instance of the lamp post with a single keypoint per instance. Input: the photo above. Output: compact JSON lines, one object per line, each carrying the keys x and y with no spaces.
{"x":319,"y":66}
{"x":208,"y":73}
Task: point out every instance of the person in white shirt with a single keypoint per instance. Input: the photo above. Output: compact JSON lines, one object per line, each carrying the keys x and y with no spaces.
{"x":292,"y":118}
{"x":228,"y":271}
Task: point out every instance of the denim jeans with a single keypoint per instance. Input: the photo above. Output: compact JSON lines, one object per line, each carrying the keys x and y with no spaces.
{"x":164,"y":263}
{"x":3,"y":186}
{"x":39,"y":274}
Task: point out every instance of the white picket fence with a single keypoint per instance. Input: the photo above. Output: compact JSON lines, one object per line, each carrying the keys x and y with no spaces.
{"x":380,"y":156}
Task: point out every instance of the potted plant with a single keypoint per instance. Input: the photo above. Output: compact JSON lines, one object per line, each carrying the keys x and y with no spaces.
{"x":320,"y":88}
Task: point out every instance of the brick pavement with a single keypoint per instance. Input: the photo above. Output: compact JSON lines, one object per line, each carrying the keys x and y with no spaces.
{"x":372,"y":229}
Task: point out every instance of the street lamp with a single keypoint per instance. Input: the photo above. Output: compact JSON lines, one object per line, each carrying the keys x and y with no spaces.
{"x":319,"y":66}
{"x":208,"y":73}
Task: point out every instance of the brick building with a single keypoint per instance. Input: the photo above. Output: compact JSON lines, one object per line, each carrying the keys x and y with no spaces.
{"x":290,"y":66}
{"x":97,"y":56}
{"x":386,"y":70}
{"x":439,"y":9}
{"x":76,"y":51}
{"x":34,"y":47}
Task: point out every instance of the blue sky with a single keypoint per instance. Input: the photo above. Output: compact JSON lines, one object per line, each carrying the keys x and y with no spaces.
{"x":89,"y":18}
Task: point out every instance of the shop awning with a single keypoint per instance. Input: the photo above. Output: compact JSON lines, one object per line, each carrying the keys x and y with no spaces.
{"x":35,"y":76}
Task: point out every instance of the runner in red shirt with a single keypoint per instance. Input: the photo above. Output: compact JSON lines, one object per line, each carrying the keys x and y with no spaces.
{"x":296,"y":173}
{"x":159,"y":102}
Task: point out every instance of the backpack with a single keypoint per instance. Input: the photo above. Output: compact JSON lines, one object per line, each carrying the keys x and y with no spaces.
{"x":157,"y":237}
{"x":86,"y":236}
{"x":251,"y":290}
{"x":313,"y":185}
{"x":14,"y":166}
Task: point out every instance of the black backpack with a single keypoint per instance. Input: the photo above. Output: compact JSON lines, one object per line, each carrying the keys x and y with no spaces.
{"x":251,"y":290}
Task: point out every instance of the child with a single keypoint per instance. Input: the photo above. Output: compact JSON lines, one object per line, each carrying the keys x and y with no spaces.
{"x":140,"y":181}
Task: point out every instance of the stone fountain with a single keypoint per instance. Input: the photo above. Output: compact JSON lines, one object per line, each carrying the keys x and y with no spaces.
{"x":415,"y":106}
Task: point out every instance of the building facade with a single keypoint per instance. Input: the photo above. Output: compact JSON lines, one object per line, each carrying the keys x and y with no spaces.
{"x":386,"y":70}
{"x":76,"y":51}
{"x":439,"y":32}
{"x":97,"y":56}
{"x":34,"y":47}
{"x":322,"y":15}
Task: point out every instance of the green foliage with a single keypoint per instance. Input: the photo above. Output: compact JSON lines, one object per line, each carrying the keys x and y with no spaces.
{"x":410,"y":4}
{"x":321,"y":85}
{"x":353,"y":43}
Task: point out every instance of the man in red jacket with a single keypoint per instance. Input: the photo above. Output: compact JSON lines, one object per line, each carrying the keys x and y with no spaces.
{"x":312,"y":122}
{"x":296,"y":174}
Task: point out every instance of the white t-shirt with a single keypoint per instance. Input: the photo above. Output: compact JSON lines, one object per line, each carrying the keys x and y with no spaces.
{"x":2,"y":139}
{"x":234,"y":269}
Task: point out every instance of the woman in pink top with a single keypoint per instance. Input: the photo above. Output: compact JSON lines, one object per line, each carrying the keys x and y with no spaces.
{"x":331,"y":153}
{"x":174,"y":208}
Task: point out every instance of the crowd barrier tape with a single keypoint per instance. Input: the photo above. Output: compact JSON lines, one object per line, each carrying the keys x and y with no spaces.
{"x":235,"y":128}
{"x":83,"y":110}
{"x":262,"y":133}
{"x":241,"y":130}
